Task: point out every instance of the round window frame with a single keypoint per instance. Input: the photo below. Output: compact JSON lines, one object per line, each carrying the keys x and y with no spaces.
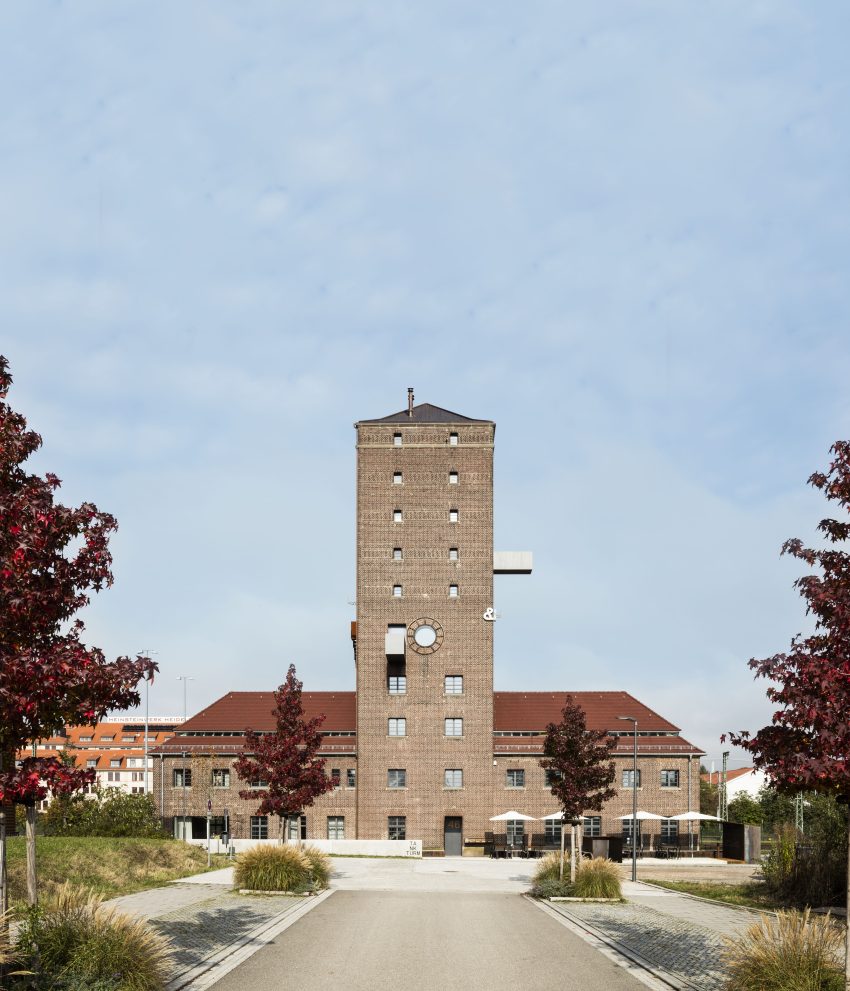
{"x":411,"y":635}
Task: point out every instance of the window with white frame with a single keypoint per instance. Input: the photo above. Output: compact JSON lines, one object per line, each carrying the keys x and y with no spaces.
{"x":452,"y":591}
{"x":669,"y":830}
{"x":453,"y":553}
{"x":336,"y":827}
{"x":91,"y":763}
{"x":397,"y":478}
{"x":397,"y":827}
{"x":515,"y":777}
{"x":113,"y":775}
{"x":128,"y":739}
{"x":627,"y":830}
{"x":453,"y":777}
{"x":453,"y":440}
{"x":137,"y":790}
{"x":220,"y":777}
{"x":670,"y":779}
{"x":453,"y":516}
{"x":396,"y":553}
{"x":452,"y":478}
{"x":181,"y":776}
{"x":396,"y":679}
{"x":629,"y":779}
{"x":397,"y":516}
{"x":397,"y":440}
{"x":257,"y":783}
{"x":453,"y":727}
{"x":515,"y":830}
{"x":552,"y":830}
{"x":259,"y":827}
{"x":107,"y":739}
{"x":85,"y":739}
{"x":115,"y":763}
{"x":397,"y":726}
{"x":592,"y":825}
{"x":454,"y":684}
{"x":137,"y":775}
{"x":396,"y":777}
{"x":396,"y":591}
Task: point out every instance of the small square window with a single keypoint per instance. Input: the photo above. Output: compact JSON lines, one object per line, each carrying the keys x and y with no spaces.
{"x":452,"y":478}
{"x":181,"y":776}
{"x":91,"y":763}
{"x":453,"y":553}
{"x":453,"y":778}
{"x":452,"y":591}
{"x":397,"y":827}
{"x":453,"y":440}
{"x":397,"y":726}
{"x":669,"y":779}
{"x":454,"y":684}
{"x":396,"y":777}
{"x":336,"y":827}
{"x":629,"y":779}
{"x":396,"y":553}
{"x":396,"y":591}
{"x":397,"y":516}
{"x":452,"y":516}
{"x":221,"y":777}
{"x":397,"y":684}
{"x":115,"y":763}
{"x":397,"y":440}
{"x":515,"y":778}
{"x":397,"y":478}
{"x":454,"y":727}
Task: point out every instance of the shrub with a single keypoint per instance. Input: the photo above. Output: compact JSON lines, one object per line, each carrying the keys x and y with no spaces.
{"x":320,"y":866}
{"x":552,"y":887}
{"x":82,"y":944}
{"x":272,"y":868}
{"x":109,"y":812}
{"x":549,"y":869}
{"x":793,"y":952}
{"x":598,"y":878}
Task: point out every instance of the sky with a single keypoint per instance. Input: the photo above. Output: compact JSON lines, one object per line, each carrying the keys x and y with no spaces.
{"x":228,"y":231}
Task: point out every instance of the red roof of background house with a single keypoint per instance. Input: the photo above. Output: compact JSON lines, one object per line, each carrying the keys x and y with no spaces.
{"x":715,"y":777}
{"x":535,"y":710}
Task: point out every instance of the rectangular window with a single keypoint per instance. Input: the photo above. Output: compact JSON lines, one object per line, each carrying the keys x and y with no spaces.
{"x":396,"y":777}
{"x":137,"y":791}
{"x":396,"y":591}
{"x":452,"y":478}
{"x":669,"y":779}
{"x":107,"y":739}
{"x":397,"y":827}
{"x":397,"y":516}
{"x":669,"y":830}
{"x":551,"y":776}
{"x":91,"y":763}
{"x":453,"y":517}
{"x":259,"y":827}
{"x":453,"y":778}
{"x":298,"y":828}
{"x":397,"y":726}
{"x":515,"y":778}
{"x":454,"y":684}
{"x":113,"y":776}
{"x":85,"y":739}
{"x":516,"y":827}
{"x":396,"y":553}
{"x":336,"y":827}
{"x":137,"y":776}
{"x":181,"y":776}
{"x":453,"y":553}
{"x":115,"y":763}
{"x":397,"y":440}
{"x":592,"y":825}
{"x":453,"y":440}
{"x":257,"y":783}
{"x":221,"y":777}
{"x":452,"y":591}
{"x":627,"y":830}
{"x":350,"y":778}
{"x":397,"y":478}
{"x":552,"y":830}
{"x":128,"y":739}
{"x":454,"y":727}
{"x":397,"y":684}
{"x":629,"y":778}
{"x":336,"y":777}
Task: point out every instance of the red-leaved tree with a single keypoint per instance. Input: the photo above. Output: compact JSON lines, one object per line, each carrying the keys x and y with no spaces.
{"x":580,"y":766}
{"x":285,"y":759}
{"x":52,"y":558}
{"x":807,"y":744}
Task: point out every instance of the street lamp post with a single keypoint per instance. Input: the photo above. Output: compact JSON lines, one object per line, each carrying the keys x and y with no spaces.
{"x":631,"y":719}
{"x":185,"y":680}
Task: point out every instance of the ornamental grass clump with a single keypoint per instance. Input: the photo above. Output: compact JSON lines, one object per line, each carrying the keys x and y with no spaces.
{"x":78,"y":942}
{"x":598,"y":878}
{"x":547,"y":882}
{"x":320,"y":866}
{"x":793,"y":952}
{"x":273,"y":868}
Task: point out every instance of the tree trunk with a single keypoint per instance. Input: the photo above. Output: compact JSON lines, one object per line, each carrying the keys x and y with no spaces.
{"x":572,"y":853}
{"x":4,"y":895}
{"x":32,"y":887}
{"x":847,"y":917}
{"x":561,"y":871}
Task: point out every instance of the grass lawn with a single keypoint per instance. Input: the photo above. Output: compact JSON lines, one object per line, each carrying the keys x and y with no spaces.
{"x":751,"y":894}
{"x":110,"y":866}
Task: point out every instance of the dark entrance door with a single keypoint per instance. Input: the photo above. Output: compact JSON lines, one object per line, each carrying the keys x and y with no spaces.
{"x":453,"y":836}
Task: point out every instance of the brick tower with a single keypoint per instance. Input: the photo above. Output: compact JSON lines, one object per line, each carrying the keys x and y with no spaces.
{"x":424,"y":649}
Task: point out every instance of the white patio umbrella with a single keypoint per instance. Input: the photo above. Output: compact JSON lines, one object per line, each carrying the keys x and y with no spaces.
{"x":694,"y":817}
{"x":642,"y":815}
{"x":508,"y":816}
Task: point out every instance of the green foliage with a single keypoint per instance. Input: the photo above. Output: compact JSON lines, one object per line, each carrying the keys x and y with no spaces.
{"x":793,"y":952}
{"x":745,"y":808}
{"x":751,"y":894}
{"x":707,"y":797}
{"x":268,"y":867}
{"x":777,"y":809}
{"x":320,"y":866}
{"x":598,"y":878}
{"x":108,"y":812}
{"x":551,"y":887}
{"x":79,"y":943}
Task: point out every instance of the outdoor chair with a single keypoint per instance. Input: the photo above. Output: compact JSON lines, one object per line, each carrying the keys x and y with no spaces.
{"x":489,"y":845}
{"x":645,"y":848}
{"x":500,"y":845}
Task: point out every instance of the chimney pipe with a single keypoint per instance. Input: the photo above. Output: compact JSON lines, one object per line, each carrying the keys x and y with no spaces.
{"x":410,"y":402}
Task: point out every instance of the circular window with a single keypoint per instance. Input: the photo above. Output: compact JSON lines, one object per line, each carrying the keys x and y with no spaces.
{"x":424,"y":636}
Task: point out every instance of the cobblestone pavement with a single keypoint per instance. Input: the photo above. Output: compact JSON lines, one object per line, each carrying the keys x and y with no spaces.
{"x":680,"y":935}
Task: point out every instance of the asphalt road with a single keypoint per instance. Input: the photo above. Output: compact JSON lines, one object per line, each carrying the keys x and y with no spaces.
{"x":427,"y":941}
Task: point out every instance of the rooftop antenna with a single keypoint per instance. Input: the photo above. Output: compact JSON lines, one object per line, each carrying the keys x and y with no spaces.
{"x":410,"y":402}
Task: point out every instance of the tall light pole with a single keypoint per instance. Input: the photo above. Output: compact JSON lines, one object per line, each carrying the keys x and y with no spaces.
{"x":185,"y":679}
{"x":631,"y":719}
{"x":148,"y":679}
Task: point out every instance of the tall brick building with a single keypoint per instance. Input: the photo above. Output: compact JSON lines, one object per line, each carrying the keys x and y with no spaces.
{"x":425,"y":749}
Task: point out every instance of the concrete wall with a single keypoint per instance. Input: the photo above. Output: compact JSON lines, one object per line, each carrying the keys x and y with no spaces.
{"x":343,"y":848}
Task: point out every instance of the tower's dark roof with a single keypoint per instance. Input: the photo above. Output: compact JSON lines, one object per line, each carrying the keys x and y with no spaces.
{"x":425,"y":413}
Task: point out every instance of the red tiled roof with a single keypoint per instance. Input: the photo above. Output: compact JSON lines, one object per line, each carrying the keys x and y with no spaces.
{"x":533,"y":746}
{"x":715,"y":777}
{"x":234,"y":744}
{"x":253,"y":710}
{"x":535,"y":710}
